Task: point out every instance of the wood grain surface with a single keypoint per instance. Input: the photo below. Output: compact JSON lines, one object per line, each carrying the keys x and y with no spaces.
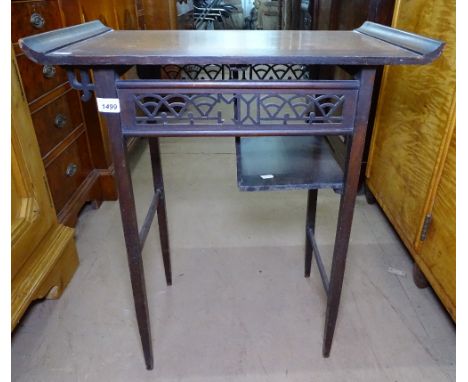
{"x":174,"y":44}
{"x":43,"y":252}
{"x":104,"y":11}
{"x":32,"y":213}
{"x":409,"y":171}
{"x":413,"y":122}
{"x":438,"y":253}
{"x":160,"y":14}
{"x":94,"y":43}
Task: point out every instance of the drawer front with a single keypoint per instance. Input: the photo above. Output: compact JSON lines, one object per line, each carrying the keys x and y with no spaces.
{"x":56,"y":120}
{"x":33,"y":17}
{"x":68,"y":171}
{"x":39,"y":79}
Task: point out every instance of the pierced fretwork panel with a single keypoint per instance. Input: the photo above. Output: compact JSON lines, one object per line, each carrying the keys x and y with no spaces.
{"x":229,"y":106}
{"x":241,"y":72}
{"x":245,"y":109}
{"x":196,"y":72}
{"x":276,"y":72}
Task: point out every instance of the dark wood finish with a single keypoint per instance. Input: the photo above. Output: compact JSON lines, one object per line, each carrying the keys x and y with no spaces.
{"x":160,"y":14}
{"x":370,"y":198}
{"x":89,"y":191}
{"x":71,"y":12}
{"x":149,"y":218}
{"x":126,"y":15}
{"x":306,"y":18}
{"x":106,"y":51}
{"x":21,"y":12}
{"x":295,"y":14}
{"x":98,"y":137}
{"x":294,"y":163}
{"x":346,"y":15}
{"x":105,"y":88}
{"x":105,"y":11}
{"x":158,"y":184}
{"x":70,"y":138}
{"x":229,"y":124}
{"x":380,"y":11}
{"x":348,"y":198}
{"x":95,"y":44}
{"x":62,"y":186}
{"x":323,"y":273}
{"x":334,"y":14}
{"x":35,"y":83}
{"x":418,"y":277}
{"x":56,"y":120}
{"x":49,"y":95}
{"x":310,"y":225}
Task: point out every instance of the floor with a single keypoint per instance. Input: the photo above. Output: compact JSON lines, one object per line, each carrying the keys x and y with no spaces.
{"x":239,"y":308}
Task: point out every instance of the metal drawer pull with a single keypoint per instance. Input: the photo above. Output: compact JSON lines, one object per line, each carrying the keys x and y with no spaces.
{"x":71,"y":169}
{"x":60,"y":121}
{"x":37,"y":21}
{"x":48,"y":71}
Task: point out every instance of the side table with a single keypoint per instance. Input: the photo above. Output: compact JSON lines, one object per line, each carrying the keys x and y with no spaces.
{"x":249,"y":84}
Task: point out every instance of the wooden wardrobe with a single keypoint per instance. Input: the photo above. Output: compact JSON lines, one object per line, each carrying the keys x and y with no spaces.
{"x":411,"y":166}
{"x":43,"y":252}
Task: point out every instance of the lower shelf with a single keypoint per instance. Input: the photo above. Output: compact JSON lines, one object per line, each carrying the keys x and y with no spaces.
{"x":286,"y":163}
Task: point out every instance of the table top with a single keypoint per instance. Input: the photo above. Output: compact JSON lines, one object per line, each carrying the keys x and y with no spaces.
{"x":93,"y":43}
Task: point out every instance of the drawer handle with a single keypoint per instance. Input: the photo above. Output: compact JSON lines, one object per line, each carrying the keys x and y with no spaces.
{"x":71,"y":169}
{"x":60,"y":121}
{"x":48,"y":71}
{"x":37,"y":21}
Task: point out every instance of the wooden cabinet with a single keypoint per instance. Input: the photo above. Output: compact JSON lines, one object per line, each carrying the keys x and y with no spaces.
{"x":60,"y":153}
{"x":411,"y":169}
{"x":127,"y":17}
{"x":437,"y":257}
{"x":160,"y":14}
{"x":43,"y":252}
{"x":72,"y":136}
{"x":117,"y":14}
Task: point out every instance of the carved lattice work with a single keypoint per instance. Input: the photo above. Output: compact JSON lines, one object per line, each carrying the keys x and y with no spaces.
{"x":238,"y":109}
{"x":196,"y":72}
{"x":241,"y":72}
{"x":278,"y":72}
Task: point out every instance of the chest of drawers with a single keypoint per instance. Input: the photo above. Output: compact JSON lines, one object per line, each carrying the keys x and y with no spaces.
{"x":72,"y":138}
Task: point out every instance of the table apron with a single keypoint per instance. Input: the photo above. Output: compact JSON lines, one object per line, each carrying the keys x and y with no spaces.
{"x":237,"y":108}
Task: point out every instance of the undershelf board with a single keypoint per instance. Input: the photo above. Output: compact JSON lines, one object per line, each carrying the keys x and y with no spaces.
{"x":285,"y":163}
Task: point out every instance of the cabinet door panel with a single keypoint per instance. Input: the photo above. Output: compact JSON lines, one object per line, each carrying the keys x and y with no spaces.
{"x":32,"y":213}
{"x":43,"y":252}
{"x":413,"y":122}
{"x":437,"y":258}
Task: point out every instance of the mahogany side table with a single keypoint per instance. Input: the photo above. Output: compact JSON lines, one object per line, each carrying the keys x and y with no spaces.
{"x":243,"y":84}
